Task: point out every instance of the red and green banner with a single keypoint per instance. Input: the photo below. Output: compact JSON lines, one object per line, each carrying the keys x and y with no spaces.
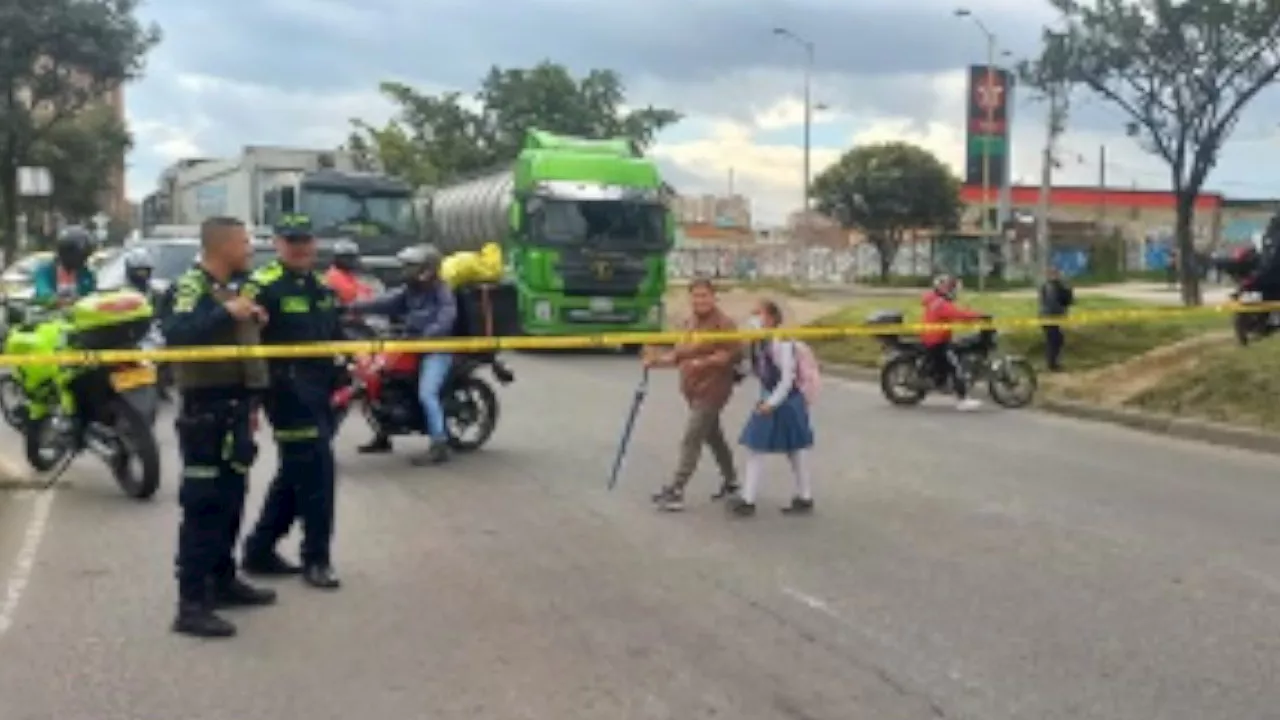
{"x":987,"y":125}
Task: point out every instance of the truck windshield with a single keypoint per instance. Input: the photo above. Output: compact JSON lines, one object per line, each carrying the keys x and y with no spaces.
{"x":613,"y":224}
{"x":333,"y":209}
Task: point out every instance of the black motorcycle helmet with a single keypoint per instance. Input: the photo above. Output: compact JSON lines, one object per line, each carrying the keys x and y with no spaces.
{"x":421,"y":263}
{"x":74,"y":246}
{"x":138,"y":269}
{"x":346,"y":255}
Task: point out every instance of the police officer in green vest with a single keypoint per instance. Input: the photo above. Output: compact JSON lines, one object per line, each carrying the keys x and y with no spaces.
{"x":215,"y":429}
{"x":301,"y":309}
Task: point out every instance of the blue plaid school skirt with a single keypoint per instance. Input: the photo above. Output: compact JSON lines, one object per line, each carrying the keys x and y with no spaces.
{"x":784,"y":430}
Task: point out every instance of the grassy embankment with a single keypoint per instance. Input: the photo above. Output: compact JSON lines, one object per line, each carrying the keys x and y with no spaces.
{"x":1088,"y":347}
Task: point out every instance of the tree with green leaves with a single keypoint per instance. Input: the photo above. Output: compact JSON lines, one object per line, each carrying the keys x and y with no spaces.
{"x":58,"y":58}
{"x":82,"y":155}
{"x":885,"y":190}
{"x":1181,"y":71}
{"x":437,"y":138}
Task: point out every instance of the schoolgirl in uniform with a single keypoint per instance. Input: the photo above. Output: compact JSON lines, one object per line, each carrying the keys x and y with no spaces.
{"x":779,"y":425}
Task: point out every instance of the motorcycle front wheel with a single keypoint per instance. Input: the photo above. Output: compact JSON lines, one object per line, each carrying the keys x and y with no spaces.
{"x":470,"y":406}
{"x":12,"y":401}
{"x":48,"y":449}
{"x":1012,"y":383}
{"x":135,"y":464}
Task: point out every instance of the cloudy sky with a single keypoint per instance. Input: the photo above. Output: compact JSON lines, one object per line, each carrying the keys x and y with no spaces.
{"x":293,"y":72}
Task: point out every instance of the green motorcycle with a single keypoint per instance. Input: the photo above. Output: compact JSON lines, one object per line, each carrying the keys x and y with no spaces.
{"x":108,"y":409}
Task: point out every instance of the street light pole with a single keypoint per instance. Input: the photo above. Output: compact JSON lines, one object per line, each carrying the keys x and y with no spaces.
{"x":809,"y":54}
{"x":808,"y":129}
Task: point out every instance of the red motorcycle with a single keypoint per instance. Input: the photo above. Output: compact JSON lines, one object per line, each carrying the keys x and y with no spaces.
{"x":385,"y":387}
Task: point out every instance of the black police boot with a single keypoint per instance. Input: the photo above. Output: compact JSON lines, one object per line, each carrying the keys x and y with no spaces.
{"x":378,"y":445}
{"x":321,"y":576}
{"x":233,"y":593}
{"x":198,"y":619}
{"x":267,"y":563}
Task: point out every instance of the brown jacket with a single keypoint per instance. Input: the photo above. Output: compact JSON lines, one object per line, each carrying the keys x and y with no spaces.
{"x":706,"y":380}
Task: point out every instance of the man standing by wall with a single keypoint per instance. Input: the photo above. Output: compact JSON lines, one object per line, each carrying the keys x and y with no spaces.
{"x":706,"y":379}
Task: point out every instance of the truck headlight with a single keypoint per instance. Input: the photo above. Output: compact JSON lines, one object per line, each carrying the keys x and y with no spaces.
{"x":655,"y":315}
{"x":542,"y":310}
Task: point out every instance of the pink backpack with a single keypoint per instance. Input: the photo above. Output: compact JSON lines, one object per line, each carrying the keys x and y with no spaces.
{"x":808,"y":373}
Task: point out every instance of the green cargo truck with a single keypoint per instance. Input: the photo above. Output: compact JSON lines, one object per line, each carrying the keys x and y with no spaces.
{"x":583,"y":227}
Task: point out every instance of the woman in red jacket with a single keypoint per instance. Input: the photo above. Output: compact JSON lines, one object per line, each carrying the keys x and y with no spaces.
{"x":940,"y":308}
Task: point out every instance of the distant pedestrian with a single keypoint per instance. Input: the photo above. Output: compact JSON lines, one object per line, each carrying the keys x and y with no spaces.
{"x":707,"y":374}
{"x":779,"y":423}
{"x":1056,"y":298}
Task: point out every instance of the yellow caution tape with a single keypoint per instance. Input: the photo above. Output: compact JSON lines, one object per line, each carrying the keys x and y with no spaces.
{"x":611,"y":340}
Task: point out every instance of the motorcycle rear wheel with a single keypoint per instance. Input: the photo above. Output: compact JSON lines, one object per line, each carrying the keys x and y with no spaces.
{"x":471,"y":403}
{"x":900,"y":382}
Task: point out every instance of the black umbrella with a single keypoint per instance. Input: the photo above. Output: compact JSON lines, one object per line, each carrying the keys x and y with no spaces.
{"x":641,"y":390}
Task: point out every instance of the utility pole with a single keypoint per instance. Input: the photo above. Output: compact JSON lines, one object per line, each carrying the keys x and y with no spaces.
{"x":808,"y":134}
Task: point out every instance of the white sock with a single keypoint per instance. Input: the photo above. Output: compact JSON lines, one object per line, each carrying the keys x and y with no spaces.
{"x":754,"y":472}
{"x":800,"y":468}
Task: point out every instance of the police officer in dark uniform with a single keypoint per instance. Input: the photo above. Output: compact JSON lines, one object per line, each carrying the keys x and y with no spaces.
{"x":301,"y":309}
{"x":215,"y":430}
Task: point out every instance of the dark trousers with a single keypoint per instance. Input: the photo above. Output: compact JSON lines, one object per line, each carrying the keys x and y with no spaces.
{"x":217,"y":448}
{"x":304,"y":485}
{"x":1053,"y":342}
{"x":945,"y":365}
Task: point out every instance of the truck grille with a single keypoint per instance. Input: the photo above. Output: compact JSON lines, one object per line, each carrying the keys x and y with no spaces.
{"x":600,"y":275}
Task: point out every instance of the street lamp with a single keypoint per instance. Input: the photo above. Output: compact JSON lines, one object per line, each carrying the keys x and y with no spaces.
{"x":808,"y":102}
{"x":987,"y":230}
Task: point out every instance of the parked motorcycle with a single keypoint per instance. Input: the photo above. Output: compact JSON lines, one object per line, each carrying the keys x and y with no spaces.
{"x":107,"y":409}
{"x":385,"y":387}
{"x":907,"y":375}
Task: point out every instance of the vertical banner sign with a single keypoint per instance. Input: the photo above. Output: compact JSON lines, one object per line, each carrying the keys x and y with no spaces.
{"x":987,"y":125}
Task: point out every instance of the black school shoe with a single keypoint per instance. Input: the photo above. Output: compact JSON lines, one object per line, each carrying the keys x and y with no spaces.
{"x":739,"y":507}
{"x":799,"y":506}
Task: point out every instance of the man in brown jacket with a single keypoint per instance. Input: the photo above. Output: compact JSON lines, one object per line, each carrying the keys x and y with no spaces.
{"x":706,"y":379}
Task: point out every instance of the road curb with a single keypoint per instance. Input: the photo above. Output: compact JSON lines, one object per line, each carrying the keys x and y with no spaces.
{"x":1183,"y":428}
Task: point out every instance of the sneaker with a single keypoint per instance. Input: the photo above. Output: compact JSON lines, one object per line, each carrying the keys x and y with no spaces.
{"x":437,"y":454}
{"x":969,"y":405}
{"x":726,"y":489}
{"x":739,"y":507}
{"x":672,"y":500}
{"x":799,"y":506}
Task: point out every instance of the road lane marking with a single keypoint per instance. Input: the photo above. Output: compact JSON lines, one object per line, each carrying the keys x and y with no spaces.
{"x":20,"y":577}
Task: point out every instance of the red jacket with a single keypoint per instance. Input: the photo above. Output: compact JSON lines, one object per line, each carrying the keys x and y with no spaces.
{"x":939,"y":309}
{"x":346,"y":286}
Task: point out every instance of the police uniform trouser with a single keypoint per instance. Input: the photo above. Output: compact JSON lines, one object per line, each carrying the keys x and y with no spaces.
{"x":217,"y":446}
{"x":304,"y":483}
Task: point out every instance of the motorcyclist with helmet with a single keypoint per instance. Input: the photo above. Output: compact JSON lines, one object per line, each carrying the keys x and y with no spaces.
{"x":343,"y":277}
{"x":138,"y":269}
{"x":428,"y":308}
{"x":940,"y":308}
{"x":67,"y":276}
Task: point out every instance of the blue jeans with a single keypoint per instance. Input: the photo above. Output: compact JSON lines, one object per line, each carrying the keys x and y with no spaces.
{"x":432,"y":372}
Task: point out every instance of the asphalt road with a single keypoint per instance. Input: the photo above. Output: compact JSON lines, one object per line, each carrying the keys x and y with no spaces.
{"x":993,"y":565}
